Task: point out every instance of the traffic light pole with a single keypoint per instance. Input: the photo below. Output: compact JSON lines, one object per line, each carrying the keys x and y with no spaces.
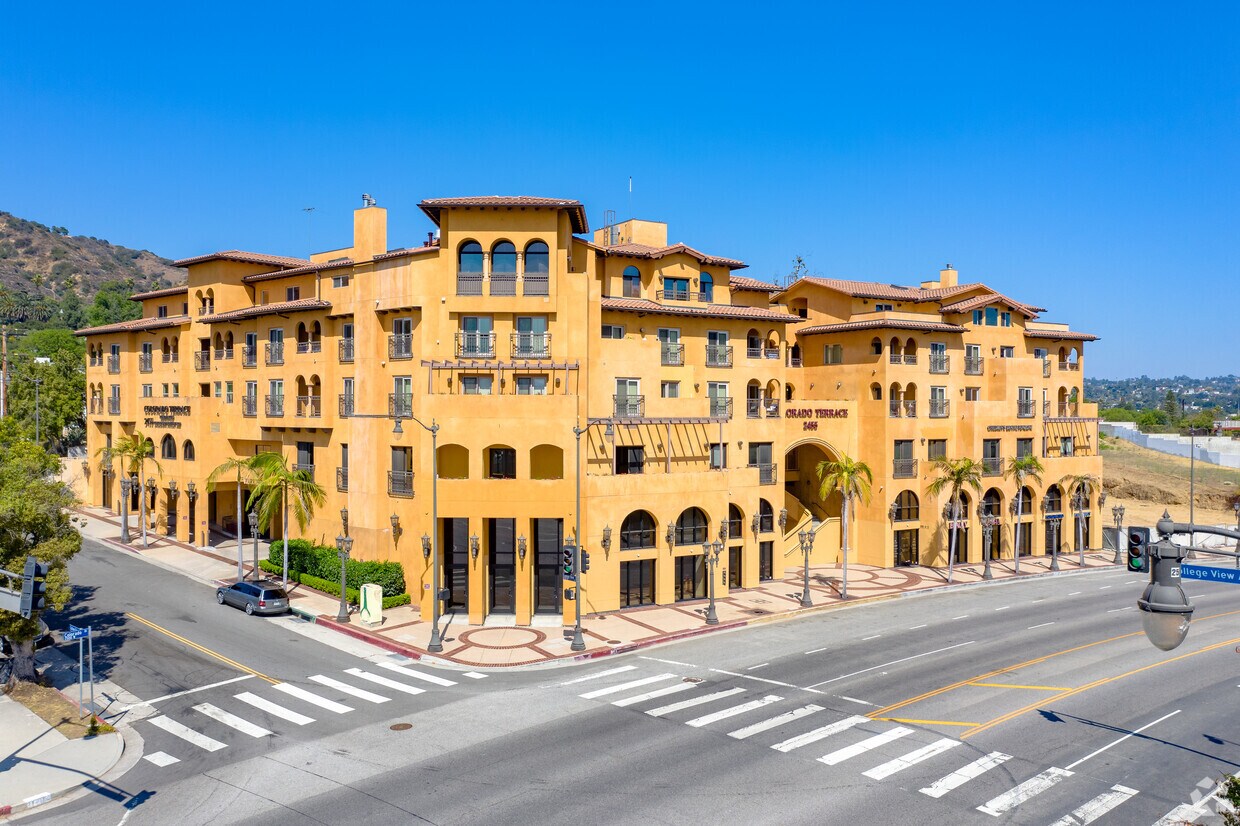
{"x":579,"y":642}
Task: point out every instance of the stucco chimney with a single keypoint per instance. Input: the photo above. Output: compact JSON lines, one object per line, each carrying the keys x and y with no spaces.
{"x":948,"y":276}
{"x":369,"y":232}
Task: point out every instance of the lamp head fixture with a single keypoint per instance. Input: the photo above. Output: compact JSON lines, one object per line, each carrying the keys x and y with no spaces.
{"x":426,"y":546}
{"x":606,"y":540}
{"x":396,"y":528}
{"x":474,"y":546}
{"x":521,"y":546}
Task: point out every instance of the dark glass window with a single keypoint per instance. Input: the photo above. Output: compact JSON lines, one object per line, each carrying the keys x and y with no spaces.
{"x":504,"y":259}
{"x":471,"y":257}
{"x":936,"y":449}
{"x":629,"y":459}
{"x":537,"y":259}
{"x":691,"y":527}
{"x":637,"y":582}
{"x":637,"y":531}
{"x":632,"y":282}
{"x":708,"y":287}
{"x":501,"y":463}
{"x":907,"y":508}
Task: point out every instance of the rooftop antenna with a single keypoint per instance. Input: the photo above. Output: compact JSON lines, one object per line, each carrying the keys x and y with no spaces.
{"x":367,"y":201}
{"x":631,"y":196}
{"x":309,"y":245}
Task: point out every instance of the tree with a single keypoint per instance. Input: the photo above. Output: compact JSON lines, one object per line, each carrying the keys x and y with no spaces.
{"x":1021,"y":469}
{"x":954,"y":475}
{"x":1147,"y":420}
{"x":1171,"y":407}
{"x":1231,"y":794}
{"x":34,"y":520}
{"x":243,"y":468}
{"x":112,"y":304}
{"x":72,"y":313}
{"x":61,"y":386}
{"x":135,"y":450}
{"x":277,"y":488}
{"x":853,"y":480}
{"x":1085,"y":483}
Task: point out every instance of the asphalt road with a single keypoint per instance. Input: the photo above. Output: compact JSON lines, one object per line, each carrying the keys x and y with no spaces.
{"x":1037,"y":702}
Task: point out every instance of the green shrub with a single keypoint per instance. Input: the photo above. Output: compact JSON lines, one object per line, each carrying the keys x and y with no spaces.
{"x":330,"y":586}
{"x":323,"y":563}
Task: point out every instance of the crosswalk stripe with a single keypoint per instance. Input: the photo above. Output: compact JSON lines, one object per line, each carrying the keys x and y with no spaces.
{"x":774,"y":722}
{"x":597,"y":674}
{"x":417,"y":675}
{"x":345,"y":688}
{"x":1184,"y":813}
{"x":1097,"y":807}
{"x":696,"y":701}
{"x":273,"y":709}
{"x":819,"y":733}
{"x":231,"y":720}
{"x":616,"y":689}
{"x":674,"y":688}
{"x":870,"y":743}
{"x":378,"y":679}
{"x":312,"y":698}
{"x":966,"y":773}
{"x":187,"y":734}
{"x":733,"y":711}
{"x":1014,"y":797}
{"x":911,"y":759}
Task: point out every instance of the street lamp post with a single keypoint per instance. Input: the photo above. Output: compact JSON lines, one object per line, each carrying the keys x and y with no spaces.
{"x":1052,"y":521}
{"x":1014,"y":508}
{"x":125,"y":485}
{"x":253,"y":519}
{"x":988,"y":522}
{"x":1080,"y":501}
{"x":344,"y":544}
{"x":806,"y":540}
{"x":1117,"y":513}
{"x":711,"y":550}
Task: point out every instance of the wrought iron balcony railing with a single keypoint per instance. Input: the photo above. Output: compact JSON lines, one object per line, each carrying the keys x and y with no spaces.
{"x":114,"y":406}
{"x":671,"y":355}
{"x":629,"y":407}
{"x":973,"y":365}
{"x":475,"y":345}
{"x":171,"y":357}
{"x":1024,"y":408}
{"x":342,"y":478}
{"x":469,"y":283}
{"x":346,"y":405}
{"x":304,"y":467}
{"x":346,"y":350}
{"x":992,"y":465}
{"x":144,"y":362}
{"x":939,"y":363}
{"x":400,"y":405}
{"x":535,"y":284}
{"x":400,"y":483}
{"x":721,"y":408}
{"x":768,"y":474}
{"x":314,"y":345}
{"x":202,"y":360}
{"x":718,"y":355}
{"x":893,"y":408}
{"x":275,"y":406}
{"x":249,"y":405}
{"x":309,"y":407}
{"x":939,"y":408}
{"x":903,"y":468}
{"x":530,"y":345}
{"x":275,"y":352}
{"x":249,"y":355}
{"x":400,"y":346}
{"x":504,"y":283}
{"x":114,"y":364}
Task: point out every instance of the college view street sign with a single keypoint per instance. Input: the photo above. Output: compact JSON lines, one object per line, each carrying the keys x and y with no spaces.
{"x":75,"y":633}
{"x":1210,"y":574}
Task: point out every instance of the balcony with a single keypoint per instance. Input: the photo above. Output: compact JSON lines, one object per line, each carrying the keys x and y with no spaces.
{"x":304,"y":468}
{"x":400,"y":405}
{"x":144,"y":362}
{"x":96,"y":406}
{"x":342,"y":478}
{"x":202,"y":360}
{"x":503,"y":283}
{"x":469,"y":283}
{"x":910,"y":358}
{"x":400,"y":483}
{"x":96,"y":361}
{"x":206,"y":309}
{"x":678,"y":295}
{"x":530,"y":345}
{"x":249,"y":355}
{"x":475,"y":345}
{"x":114,"y":406}
{"x":309,"y":407}
{"x":718,"y":355}
{"x":535,"y":284}
{"x":894,"y":409}
{"x":939,"y":408}
{"x":754,"y":408}
{"x":1069,"y":365}
{"x":1046,"y":368}
{"x":275,"y":353}
{"x":910,"y":408}
{"x":767,"y":474}
{"x":171,"y":357}
{"x":629,"y":407}
{"x":223,"y":353}
{"x":346,"y":351}
{"x":992,"y":465}
{"x":903,"y":468}
{"x":973,"y":365}
{"x":399,"y":347}
{"x":939,"y":363}
{"x":671,"y":355}
{"x":896,"y":358}
{"x":275,"y":406}
{"x":249,"y":405}
{"x":793,"y":361}
{"x":1024,"y":408}
{"x":114,"y":363}
{"x":721,"y":408}
{"x":346,"y":405}
{"x":1066,"y":410}
{"x":314,"y":345}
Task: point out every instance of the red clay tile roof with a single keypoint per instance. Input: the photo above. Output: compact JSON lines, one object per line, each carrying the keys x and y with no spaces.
{"x":324,"y":265}
{"x":740,"y":282}
{"x":245,"y":258}
{"x":1060,"y":335}
{"x":167,"y":291}
{"x":881,"y":324}
{"x":644,"y":251}
{"x":280,"y":307}
{"x":136,"y":325}
{"x":646,"y":307}
{"x":893,"y":292}
{"x":390,"y":254}
{"x":980,"y":301}
{"x":577,"y":212}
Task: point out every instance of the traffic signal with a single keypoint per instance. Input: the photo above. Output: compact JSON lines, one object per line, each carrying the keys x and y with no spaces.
{"x":1138,"y":550}
{"x":585,"y":560}
{"x":33,"y":587}
{"x":569,"y":570}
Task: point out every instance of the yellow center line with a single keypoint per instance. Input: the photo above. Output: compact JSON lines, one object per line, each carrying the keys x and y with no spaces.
{"x":1030,"y":687}
{"x":203,"y":649}
{"x":927,"y":722}
{"x":1104,"y":681}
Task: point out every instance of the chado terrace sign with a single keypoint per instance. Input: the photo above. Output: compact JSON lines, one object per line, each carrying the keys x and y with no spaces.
{"x":164,"y":415}
{"x":815,"y":413}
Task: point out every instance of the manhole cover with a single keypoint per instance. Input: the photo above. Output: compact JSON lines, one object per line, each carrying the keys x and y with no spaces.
{"x":757,"y":611}
{"x":613,"y":642}
{"x":402,"y":726}
{"x":692,"y":680}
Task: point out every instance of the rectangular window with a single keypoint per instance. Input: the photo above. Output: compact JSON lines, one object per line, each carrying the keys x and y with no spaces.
{"x":936,"y":449}
{"x":1067,"y":447}
{"x":992,"y":316}
{"x":718,"y":455}
{"x":613,"y":331}
{"x":669,"y":389}
{"x":476,"y":385}
{"x":1006,"y":352}
{"x":1005,"y":319}
{"x":165,"y":389}
{"x":977,"y":316}
{"x":629,"y":460}
{"x":971,"y":393}
{"x":161,"y":311}
{"x":219,"y":389}
{"x":531,"y":385}
{"x":228,"y":392}
{"x":176,"y":389}
{"x":340,"y":281}
{"x":990,"y":448}
{"x":148,"y":391}
{"x":1024,"y":447}
{"x":883,"y":308}
{"x":833,"y":354}
{"x":632,"y":284}
{"x":501,"y":463}
{"x":292,"y":293}
{"x":637,"y":582}
{"x":1040,"y":352}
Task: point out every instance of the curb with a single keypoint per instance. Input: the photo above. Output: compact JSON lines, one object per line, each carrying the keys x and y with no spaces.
{"x":131,"y":752}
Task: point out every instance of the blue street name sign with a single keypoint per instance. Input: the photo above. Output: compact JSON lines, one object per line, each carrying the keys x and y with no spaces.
{"x":1210,"y":574}
{"x":75,"y":633}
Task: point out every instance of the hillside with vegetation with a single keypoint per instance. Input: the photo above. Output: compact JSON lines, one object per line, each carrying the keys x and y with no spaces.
{"x":1145,"y":393}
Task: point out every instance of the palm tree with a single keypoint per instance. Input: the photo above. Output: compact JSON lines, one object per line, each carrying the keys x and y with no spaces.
{"x":954,"y":475}
{"x":138,"y":449}
{"x":852,"y":479}
{"x":1084,"y":484}
{"x":1022,"y":469}
{"x":243,"y":469}
{"x":277,"y":487}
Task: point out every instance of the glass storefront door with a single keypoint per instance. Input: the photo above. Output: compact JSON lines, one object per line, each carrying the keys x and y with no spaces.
{"x":548,"y":539}
{"x":502,"y":572}
{"x":454,"y":557}
{"x":735,"y":555}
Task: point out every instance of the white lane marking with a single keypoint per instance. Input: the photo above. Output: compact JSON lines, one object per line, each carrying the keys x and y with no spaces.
{"x":312,"y":698}
{"x":965,"y":773}
{"x":915,"y":627}
{"x":231,"y":720}
{"x":187,"y":691}
{"x":764,"y":680}
{"x":417,"y":675}
{"x":1043,"y":599}
{"x":863,"y":639}
{"x":774,"y":722}
{"x":962,"y":616}
{"x":706,"y":719}
{"x":378,"y":679}
{"x":817,"y":650}
{"x":669,"y":662}
{"x":1104,"y":587}
{"x":894,"y":662}
{"x":759,"y":665}
{"x":1040,"y":625}
{"x":1122,"y":739}
{"x":912,"y":758}
{"x":1074,"y":593}
{"x":1003,"y":608}
{"x":345,"y":688}
{"x":598,"y":674}
{"x":1014,"y":797}
{"x":187,"y":734}
{"x":675,"y":688}
{"x":616,"y":689}
{"x":696,"y":701}
{"x":474,"y":675}
{"x":273,"y":709}
{"x":819,"y":734}
{"x":855,"y":700}
{"x":1096,"y":808}
{"x":870,"y":743}
{"x":161,"y":759}
{"x":1127,"y":608}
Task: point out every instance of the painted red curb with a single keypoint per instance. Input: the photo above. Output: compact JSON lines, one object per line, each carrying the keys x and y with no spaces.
{"x":5,"y":811}
{"x":373,"y":639}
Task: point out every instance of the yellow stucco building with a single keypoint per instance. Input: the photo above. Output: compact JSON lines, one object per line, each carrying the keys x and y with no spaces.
{"x":699,"y":402}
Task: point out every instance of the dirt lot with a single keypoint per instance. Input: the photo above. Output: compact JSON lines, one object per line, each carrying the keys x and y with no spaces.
{"x":1146,"y":482}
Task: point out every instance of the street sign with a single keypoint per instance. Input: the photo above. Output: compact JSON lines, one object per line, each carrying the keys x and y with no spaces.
{"x":1209,"y":573}
{"x":75,"y":633}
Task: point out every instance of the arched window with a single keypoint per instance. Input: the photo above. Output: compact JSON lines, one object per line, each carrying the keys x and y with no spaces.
{"x":766,"y":517}
{"x":1053,"y":503}
{"x":736,"y":522}
{"x":992,"y":503}
{"x":637,"y":531}
{"x":470,"y":258}
{"x":632,"y":282}
{"x":906,"y":508}
{"x":168,"y":448}
{"x":708,"y":287}
{"x":187,"y":451}
{"x":789,"y":392}
{"x":876,"y":346}
{"x":1024,"y":501}
{"x":537,"y":258}
{"x":691,"y":527}
{"x":504,"y":259}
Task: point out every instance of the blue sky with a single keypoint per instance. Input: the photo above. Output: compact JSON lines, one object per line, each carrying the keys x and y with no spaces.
{"x":1082,"y":157}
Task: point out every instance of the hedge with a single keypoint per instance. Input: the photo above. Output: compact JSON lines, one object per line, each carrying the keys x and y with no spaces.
{"x":322,"y":562}
{"x":328,"y":586}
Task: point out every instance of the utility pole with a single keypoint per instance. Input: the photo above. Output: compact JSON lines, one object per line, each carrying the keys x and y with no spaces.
{"x":4,"y":371}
